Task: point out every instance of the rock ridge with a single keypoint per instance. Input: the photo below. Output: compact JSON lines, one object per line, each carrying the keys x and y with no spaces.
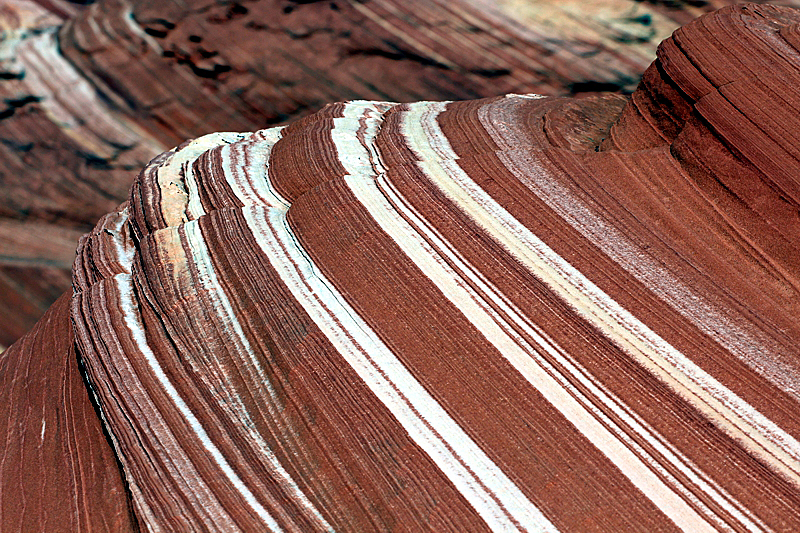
{"x":513,"y":313}
{"x":107,"y":85}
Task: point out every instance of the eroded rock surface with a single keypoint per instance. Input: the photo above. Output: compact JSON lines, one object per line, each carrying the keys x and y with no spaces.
{"x":89,"y":94}
{"x":58,"y":472}
{"x":514,"y":313}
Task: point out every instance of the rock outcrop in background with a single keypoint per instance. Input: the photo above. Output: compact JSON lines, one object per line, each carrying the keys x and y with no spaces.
{"x":90,"y":93}
{"x":512,"y":313}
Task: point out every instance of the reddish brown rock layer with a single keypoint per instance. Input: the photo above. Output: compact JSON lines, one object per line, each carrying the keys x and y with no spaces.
{"x":91,"y":100}
{"x":513,"y":313}
{"x":58,"y":472}
{"x":729,"y":120}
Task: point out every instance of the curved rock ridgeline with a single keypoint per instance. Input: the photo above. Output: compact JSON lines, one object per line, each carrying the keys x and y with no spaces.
{"x":515,"y":313}
{"x":91,"y":93}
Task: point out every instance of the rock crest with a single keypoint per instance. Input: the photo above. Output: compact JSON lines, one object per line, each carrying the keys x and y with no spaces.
{"x":519,"y":312}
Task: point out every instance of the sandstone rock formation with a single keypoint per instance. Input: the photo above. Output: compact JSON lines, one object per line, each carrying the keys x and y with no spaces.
{"x":58,"y":472}
{"x":92,"y":94}
{"x":514,"y":313}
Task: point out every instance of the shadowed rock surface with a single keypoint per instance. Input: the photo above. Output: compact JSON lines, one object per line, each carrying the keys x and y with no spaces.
{"x":89,"y":94}
{"x":513,"y":313}
{"x":58,"y":471}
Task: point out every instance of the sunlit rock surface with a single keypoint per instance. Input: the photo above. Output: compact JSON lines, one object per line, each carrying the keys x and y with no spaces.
{"x":515,"y":313}
{"x":89,"y":94}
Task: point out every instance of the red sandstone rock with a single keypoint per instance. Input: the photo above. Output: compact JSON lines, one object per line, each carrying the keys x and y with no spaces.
{"x":58,"y":472}
{"x":92,"y":100}
{"x":511,"y":313}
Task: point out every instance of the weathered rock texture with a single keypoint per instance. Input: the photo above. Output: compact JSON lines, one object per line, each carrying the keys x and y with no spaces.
{"x":58,"y":472}
{"x":92,"y":94}
{"x":514,"y":313}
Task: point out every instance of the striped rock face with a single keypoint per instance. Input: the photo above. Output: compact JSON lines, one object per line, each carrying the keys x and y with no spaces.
{"x":89,"y":94}
{"x":518,"y":313}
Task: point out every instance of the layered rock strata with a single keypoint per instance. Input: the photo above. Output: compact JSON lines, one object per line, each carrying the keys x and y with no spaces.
{"x":90,"y":94}
{"x":58,"y":471}
{"x":515,"y":313}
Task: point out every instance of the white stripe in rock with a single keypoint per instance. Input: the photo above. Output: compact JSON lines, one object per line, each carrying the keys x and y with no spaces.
{"x":495,"y":497}
{"x":366,"y":189}
{"x":732,"y":332}
{"x":245,"y":165}
{"x":731,"y":413}
{"x":489,"y":298}
{"x":132,"y":321}
{"x":218,"y":301}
